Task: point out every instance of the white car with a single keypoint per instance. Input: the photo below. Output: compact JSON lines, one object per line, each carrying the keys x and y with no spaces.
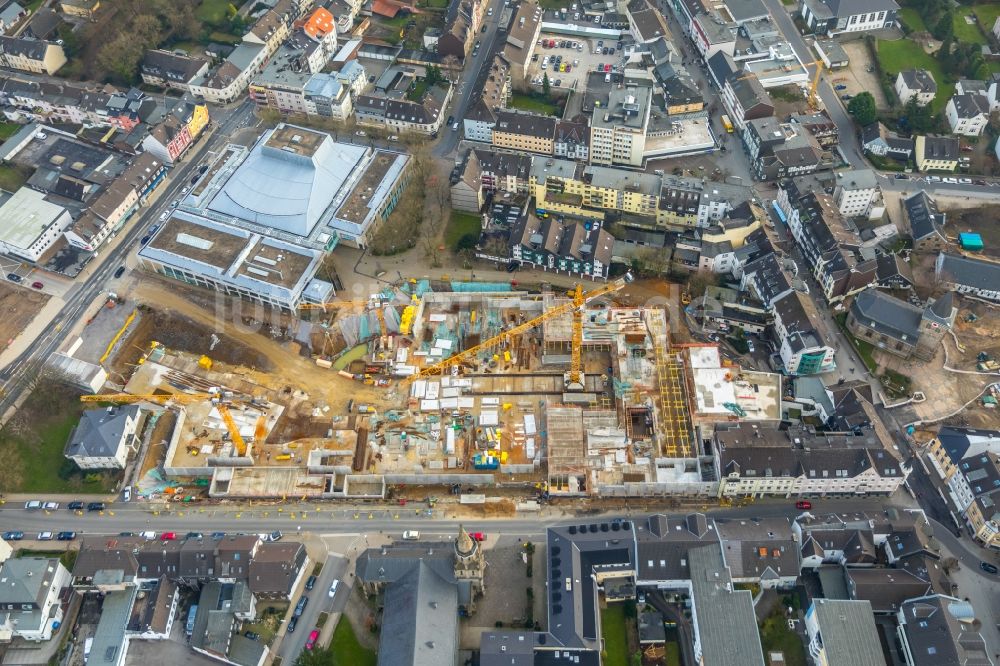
{"x":361,"y":133}
{"x":411,"y":535}
{"x":489,"y":12}
{"x":50,"y":506}
{"x":45,"y":536}
{"x":933,"y":179}
{"x":965,"y":181}
{"x":164,"y":216}
{"x":951,"y":181}
{"x":127,"y":494}
{"x":31,"y":505}
{"x":333,"y":589}
{"x":148,"y":536}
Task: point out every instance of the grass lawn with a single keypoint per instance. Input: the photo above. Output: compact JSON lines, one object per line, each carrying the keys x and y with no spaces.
{"x":987,"y":14}
{"x":37,"y":440}
{"x":911,"y":19}
{"x":416,"y":93}
{"x":225,"y":37}
{"x":775,"y":635}
{"x":347,"y":650}
{"x":672,"y":655}
{"x":865,"y":349}
{"x":11,"y":178}
{"x":212,"y":12}
{"x":8,"y":130}
{"x":437,"y":4}
{"x":903,"y":54}
{"x":613,"y":632}
{"x":529,"y":103}
{"x":66,"y":557}
{"x":459,"y":225}
{"x":967,"y":32}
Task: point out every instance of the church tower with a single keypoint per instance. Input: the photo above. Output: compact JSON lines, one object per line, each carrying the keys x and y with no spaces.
{"x":470,"y":562}
{"x":937,"y":319}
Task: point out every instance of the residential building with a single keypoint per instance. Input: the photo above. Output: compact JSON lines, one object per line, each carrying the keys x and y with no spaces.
{"x":392,"y":107}
{"x":711,"y":34}
{"x":939,"y":629}
{"x":763,"y":460}
{"x":662,"y":545}
{"x":819,"y":126}
{"x":85,"y":9}
{"x":111,"y":638}
{"x":482,"y":114}
{"x":915,"y":84}
{"x":777,"y":150}
{"x":831,"y":17}
{"x":936,"y":153}
{"x":486,"y":172}
{"x":30,"y":591}
{"x":967,"y":114}
{"x":966,"y":459}
{"x":461,"y":28}
{"x":894,"y":272}
{"x":878,"y":140}
{"x":31,"y":55}
{"x":562,"y":246}
{"x":169,"y":69}
{"x":522,"y":131}
{"x":329,"y":95}
{"x":843,"y":633}
{"x":759,"y":551}
{"x":858,"y":194}
{"x":221,"y":610}
{"x":746,"y":99}
{"x":832,"y":247}
{"x":104,"y":438}
{"x":967,"y":275}
{"x":800,"y":344}
{"x":618,"y":132}
{"x":925,"y":221}
{"x":11,"y":13}
{"x":898,"y":327}
{"x":572,"y":141}
{"x":522,"y":33}
{"x":32,"y":223}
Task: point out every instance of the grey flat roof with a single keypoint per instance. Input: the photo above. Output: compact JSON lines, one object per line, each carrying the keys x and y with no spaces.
{"x":109,"y":637}
{"x":848,"y":634}
{"x":727,"y":625}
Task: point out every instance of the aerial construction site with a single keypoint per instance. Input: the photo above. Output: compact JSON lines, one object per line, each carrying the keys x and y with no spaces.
{"x":470,"y":386}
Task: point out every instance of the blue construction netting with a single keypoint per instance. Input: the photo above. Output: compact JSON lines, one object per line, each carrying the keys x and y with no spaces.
{"x":480,"y":286}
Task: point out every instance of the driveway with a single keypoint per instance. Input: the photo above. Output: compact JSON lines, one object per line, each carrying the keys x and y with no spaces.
{"x":334,"y":568}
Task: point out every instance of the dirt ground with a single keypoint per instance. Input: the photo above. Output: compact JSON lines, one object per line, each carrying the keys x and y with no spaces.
{"x":18,"y":306}
{"x":856,"y":77}
{"x":274,"y":363}
{"x":983,"y":220}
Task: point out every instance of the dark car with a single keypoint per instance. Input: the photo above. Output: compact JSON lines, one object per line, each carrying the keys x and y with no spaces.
{"x":126,"y":534}
{"x":310,"y":582}
{"x":218,"y":535}
{"x":301,"y":606}
{"x":13,"y":277}
{"x":484,"y":28}
{"x":203,"y":168}
{"x":840,"y":87}
{"x":194,"y":535}
{"x":66,"y":536}
{"x":988,"y":568}
{"x":803,"y":504}
{"x":75,"y":506}
{"x":451,"y":119}
{"x":120,"y":271}
{"x":194,"y":179}
{"x":13,"y":536}
{"x":291,"y":623}
{"x":252,"y":635}
{"x":95,"y":506}
{"x":513,"y":266}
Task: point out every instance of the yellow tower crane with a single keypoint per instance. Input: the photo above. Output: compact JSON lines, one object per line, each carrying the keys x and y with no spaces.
{"x":181,"y":399}
{"x":575,"y":305}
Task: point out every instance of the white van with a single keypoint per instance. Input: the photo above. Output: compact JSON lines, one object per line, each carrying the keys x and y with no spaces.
{"x":411,"y":535}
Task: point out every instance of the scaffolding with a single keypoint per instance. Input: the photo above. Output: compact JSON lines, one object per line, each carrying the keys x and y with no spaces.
{"x":676,"y":436}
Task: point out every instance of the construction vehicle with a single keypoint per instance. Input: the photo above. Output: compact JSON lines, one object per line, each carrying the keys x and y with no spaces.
{"x":218,"y":397}
{"x":574,"y":376}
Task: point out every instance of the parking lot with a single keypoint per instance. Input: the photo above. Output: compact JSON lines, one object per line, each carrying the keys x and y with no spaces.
{"x":580,"y":60}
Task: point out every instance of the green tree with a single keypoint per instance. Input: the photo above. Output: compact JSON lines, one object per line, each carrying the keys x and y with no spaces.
{"x":316,"y":657}
{"x":546,"y":86}
{"x":944,"y":29}
{"x":862,"y":107}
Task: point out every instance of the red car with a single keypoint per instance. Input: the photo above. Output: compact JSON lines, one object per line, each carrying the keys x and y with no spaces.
{"x":168,"y":536}
{"x":803,"y":504}
{"x":478,"y":536}
{"x":311,"y":641}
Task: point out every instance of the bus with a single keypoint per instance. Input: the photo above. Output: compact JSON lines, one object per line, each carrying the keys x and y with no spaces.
{"x":727,"y":123}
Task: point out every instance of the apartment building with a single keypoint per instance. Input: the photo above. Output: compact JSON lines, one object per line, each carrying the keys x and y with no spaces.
{"x":327,"y":95}
{"x":618,"y":131}
{"x":31,"y":55}
{"x":858,"y":194}
{"x":939,"y":629}
{"x":522,"y":33}
{"x":30,"y":598}
{"x":528,"y":132}
{"x":571,"y":247}
{"x":915,"y":84}
{"x":482,"y":115}
{"x":746,"y":99}
{"x":830,"y":244}
{"x":486,"y":172}
{"x":392,"y":107}
{"x":842,"y":632}
{"x":878,"y":140}
{"x":104,"y":438}
{"x":967,"y":114}
{"x":778,"y":150}
{"x":936,"y":153}
{"x":758,"y":460}
{"x":966,"y":461}
{"x":968,"y":275}
{"x":170,"y":69}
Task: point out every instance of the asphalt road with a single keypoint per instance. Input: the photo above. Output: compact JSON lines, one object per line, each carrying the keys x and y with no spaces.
{"x":335,"y":568}
{"x":17,"y":375}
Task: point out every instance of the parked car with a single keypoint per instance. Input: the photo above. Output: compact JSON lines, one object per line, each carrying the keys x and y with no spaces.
{"x":301,"y":606}
{"x":845,"y":97}
{"x":252,"y":635}
{"x":76,"y":505}
{"x":194,"y":535}
{"x":218,"y":535}
{"x":274,"y":536}
{"x":310,"y":582}
{"x":988,"y":568}
{"x":126,"y":534}
{"x":13,"y":277}
{"x":803,"y":504}
{"x":44,"y":536}
{"x":411,"y":535}
{"x":66,"y":536}
{"x":333,"y":589}
{"x":119,"y":272}
{"x":314,"y":634}
{"x":148,"y":535}
{"x":50,"y":506}
{"x":96,"y":506}
{"x":168,"y":536}
{"x":478,"y":536}
{"x":361,"y":133}
{"x":750,"y":346}
{"x":32,"y":505}
{"x":840,"y":87}
{"x":37,"y":285}
{"x":16,"y":535}
{"x":291,"y":624}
